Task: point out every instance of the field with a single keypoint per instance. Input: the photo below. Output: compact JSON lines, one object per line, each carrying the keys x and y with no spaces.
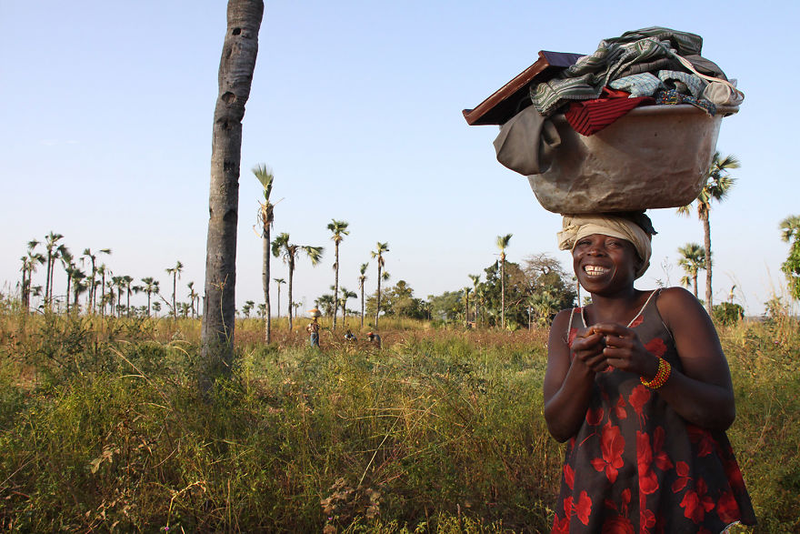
{"x":441,"y":430}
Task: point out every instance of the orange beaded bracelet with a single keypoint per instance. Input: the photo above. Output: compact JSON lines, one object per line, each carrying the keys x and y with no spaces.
{"x":662,"y":375}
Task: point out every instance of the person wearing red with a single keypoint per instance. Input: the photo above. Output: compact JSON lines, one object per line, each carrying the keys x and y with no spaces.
{"x":638,"y":385}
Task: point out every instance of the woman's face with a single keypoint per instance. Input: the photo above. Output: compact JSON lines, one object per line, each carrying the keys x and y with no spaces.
{"x":603,"y":262}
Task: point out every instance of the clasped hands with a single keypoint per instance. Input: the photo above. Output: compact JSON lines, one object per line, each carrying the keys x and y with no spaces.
{"x":605,"y":345}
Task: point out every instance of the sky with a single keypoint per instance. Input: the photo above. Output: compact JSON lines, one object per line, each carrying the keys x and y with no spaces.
{"x":356,"y":106}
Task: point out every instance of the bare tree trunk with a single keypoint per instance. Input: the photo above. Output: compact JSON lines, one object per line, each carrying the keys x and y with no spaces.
{"x":378,"y":307}
{"x":265,"y":281}
{"x":336,"y":287}
{"x":362,"y":305}
{"x":289,"y":290}
{"x":503,"y":290}
{"x":236,"y":68}
{"x":707,"y":242}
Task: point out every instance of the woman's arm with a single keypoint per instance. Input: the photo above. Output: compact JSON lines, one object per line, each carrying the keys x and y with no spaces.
{"x":702,"y":393}
{"x":568,"y":381}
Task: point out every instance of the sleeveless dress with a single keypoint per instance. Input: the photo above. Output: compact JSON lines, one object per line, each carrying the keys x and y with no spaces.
{"x":636,"y":466}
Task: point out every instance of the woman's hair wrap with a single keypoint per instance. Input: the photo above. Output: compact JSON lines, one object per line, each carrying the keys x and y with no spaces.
{"x":579,"y":226}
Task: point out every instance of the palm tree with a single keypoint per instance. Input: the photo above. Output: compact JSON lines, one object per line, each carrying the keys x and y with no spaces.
{"x":78,"y":287}
{"x":693,"y":260}
{"x":339,"y":230}
{"x":87,"y":253}
{"x":343,"y":303}
{"x":193,"y":296}
{"x":718,"y":184}
{"x":475,"y":279}
{"x":361,"y":279}
{"x":68,"y":263}
{"x":378,"y":255}
{"x":278,"y":282}
{"x":325,"y":303}
{"x":236,"y":68}
{"x":119,"y":284}
{"x":266,"y":217}
{"x":102,"y":271}
{"x":282,"y":247}
{"x":107,"y":298}
{"x":127,"y":280}
{"x":176,"y":273}
{"x":53,"y":251}
{"x":29,"y":263}
{"x":502,"y":243}
{"x":150,"y":287}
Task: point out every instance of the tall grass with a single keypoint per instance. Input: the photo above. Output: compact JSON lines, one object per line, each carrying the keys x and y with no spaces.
{"x":440,"y":431}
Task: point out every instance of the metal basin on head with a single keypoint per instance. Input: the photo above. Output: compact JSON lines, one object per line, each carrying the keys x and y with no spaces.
{"x":653,"y":157}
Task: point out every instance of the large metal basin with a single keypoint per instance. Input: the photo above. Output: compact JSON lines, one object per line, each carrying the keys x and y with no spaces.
{"x":653,"y":157}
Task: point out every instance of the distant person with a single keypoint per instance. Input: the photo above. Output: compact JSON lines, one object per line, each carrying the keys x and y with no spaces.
{"x":639,"y":387}
{"x":349,"y":336}
{"x":313,"y":330}
{"x":374,"y":338}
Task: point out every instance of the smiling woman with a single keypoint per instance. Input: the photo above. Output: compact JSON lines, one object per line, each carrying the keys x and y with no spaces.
{"x":639,"y":385}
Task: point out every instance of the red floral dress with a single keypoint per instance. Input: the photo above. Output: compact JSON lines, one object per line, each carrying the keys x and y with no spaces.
{"x":636,"y":466}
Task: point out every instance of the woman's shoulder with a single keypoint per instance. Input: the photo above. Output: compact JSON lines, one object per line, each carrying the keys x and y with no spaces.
{"x":560,"y":324}
{"x":562,"y":318}
{"x":677,"y":296}
{"x":677,"y":305}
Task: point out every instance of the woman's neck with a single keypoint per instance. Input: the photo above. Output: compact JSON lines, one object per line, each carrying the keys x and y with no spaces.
{"x":618,"y":308}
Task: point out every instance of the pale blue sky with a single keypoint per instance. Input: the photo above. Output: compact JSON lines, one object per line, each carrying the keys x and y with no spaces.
{"x":106,"y":134}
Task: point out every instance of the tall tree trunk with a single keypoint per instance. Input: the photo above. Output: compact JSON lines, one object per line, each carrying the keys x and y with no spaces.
{"x":336,"y":286}
{"x":47,"y":282}
{"x":265,"y":282}
{"x":289,"y":290}
{"x":707,"y":243}
{"x":69,"y":280}
{"x":236,"y":69}
{"x":22,"y":288}
{"x":362,"y":305}
{"x":503,"y":291}
{"x":103,"y":295}
{"x":174,"y":291}
{"x":378,"y":307}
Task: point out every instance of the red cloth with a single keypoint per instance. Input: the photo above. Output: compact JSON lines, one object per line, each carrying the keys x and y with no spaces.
{"x":588,"y":117}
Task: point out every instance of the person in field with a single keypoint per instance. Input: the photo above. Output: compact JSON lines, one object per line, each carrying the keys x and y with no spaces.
{"x":639,"y":387}
{"x":375,"y":339}
{"x":313,"y":331}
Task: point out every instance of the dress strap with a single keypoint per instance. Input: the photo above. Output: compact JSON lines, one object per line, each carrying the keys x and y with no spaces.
{"x":641,"y":310}
{"x":569,"y":326}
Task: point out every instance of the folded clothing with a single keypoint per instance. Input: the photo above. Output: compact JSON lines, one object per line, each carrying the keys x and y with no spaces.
{"x":588,"y":117}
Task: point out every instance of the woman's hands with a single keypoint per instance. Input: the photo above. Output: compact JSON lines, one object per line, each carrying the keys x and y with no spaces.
{"x":588,"y":347}
{"x":610,"y":344}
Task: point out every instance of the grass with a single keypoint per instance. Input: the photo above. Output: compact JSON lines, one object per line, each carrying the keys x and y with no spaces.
{"x":441,"y":431}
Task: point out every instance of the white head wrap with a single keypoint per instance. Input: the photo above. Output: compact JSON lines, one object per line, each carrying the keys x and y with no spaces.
{"x":579,"y":226}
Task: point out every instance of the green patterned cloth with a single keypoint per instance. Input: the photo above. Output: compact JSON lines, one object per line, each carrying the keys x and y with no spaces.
{"x":633,"y":52}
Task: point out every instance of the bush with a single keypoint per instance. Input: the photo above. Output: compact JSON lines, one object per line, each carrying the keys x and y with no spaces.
{"x":728,"y":313}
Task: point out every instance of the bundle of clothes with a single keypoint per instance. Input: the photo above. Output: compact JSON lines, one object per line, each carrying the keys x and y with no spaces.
{"x":651,"y":66}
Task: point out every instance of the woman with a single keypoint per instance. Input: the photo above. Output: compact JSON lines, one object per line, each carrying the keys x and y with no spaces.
{"x":639,"y":385}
